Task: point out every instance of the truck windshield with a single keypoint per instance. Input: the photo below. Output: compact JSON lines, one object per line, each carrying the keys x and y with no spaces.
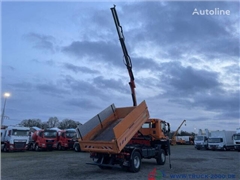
{"x":199,"y":138}
{"x":71,"y":134}
{"x":146,"y":125}
{"x":17,"y":132}
{"x":50,"y":134}
{"x":215,"y":140}
{"x":236,"y":137}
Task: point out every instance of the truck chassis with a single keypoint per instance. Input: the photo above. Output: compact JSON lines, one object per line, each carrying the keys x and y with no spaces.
{"x":132,"y":154}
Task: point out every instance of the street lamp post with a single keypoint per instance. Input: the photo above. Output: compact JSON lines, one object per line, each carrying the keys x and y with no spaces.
{"x":6,"y":95}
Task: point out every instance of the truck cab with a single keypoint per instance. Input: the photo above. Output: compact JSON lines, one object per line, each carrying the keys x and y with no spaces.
{"x":156,"y":128}
{"x":66,"y":139}
{"x":153,"y":133}
{"x":43,"y":139}
{"x":201,"y":139}
{"x":14,"y":138}
{"x":236,"y":140}
{"x":200,"y":142}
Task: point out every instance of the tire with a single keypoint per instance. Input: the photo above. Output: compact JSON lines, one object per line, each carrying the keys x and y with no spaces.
{"x":5,"y":148}
{"x":135,"y":162}
{"x":37,"y":148}
{"x":77,"y":148}
{"x":59,"y":147}
{"x":224,"y":148}
{"x":161,"y":157}
{"x":30,"y":147}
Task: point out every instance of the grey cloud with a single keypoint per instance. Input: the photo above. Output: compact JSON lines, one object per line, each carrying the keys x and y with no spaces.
{"x":144,"y":63}
{"x":219,"y":100}
{"x":111,"y":84}
{"x":83,"y":103}
{"x":82,"y":88}
{"x":77,"y":69}
{"x":44,"y":42}
{"x":22,"y":86}
{"x":105,"y":52}
{"x":11,"y":68}
{"x":195,"y":88}
{"x":46,"y":62}
{"x":225,"y":103}
{"x":187,"y":79}
{"x":50,"y":62}
{"x":51,"y":89}
{"x":174,"y":28}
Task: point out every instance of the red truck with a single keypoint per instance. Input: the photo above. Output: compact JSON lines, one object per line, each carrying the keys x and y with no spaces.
{"x":42,"y":139}
{"x":66,"y":139}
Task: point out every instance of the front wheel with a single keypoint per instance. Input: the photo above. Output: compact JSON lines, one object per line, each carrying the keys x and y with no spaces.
{"x":5,"y":148}
{"x":161,"y":157}
{"x":77,"y":148}
{"x":30,"y":148}
{"x":59,"y":147}
{"x":37,"y":147}
{"x":135,"y":162}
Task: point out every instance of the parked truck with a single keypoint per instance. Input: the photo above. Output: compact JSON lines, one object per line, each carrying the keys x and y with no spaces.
{"x":221,"y":140}
{"x":201,"y":140}
{"x":66,"y":138}
{"x":124,"y":136}
{"x":40,"y":139}
{"x":173,"y":140}
{"x":236,"y":140}
{"x":14,"y":138}
{"x":184,"y":140}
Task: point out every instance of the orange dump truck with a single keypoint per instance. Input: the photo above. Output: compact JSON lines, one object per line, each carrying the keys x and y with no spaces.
{"x":123,"y":136}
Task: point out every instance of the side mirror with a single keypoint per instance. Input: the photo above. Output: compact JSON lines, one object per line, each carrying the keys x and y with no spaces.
{"x":169,"y":129}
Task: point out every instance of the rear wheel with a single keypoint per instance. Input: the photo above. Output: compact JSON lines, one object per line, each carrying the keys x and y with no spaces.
{"x":161,"y":157}
{"x":135,"y":162}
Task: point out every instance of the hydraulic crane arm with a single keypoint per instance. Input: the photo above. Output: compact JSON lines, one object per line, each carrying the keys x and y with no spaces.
{"x":127,"y":59}
{"x":178,"y":129}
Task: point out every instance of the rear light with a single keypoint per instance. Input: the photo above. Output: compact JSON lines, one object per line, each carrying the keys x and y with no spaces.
{"x":120,"y":156}
{"x":92,"y":155}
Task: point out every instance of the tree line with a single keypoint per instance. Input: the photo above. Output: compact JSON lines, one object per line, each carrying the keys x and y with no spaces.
{"x":51,"y":123}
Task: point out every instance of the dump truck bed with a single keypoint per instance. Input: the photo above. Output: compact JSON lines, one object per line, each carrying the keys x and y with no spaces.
{"x":110,"y":130}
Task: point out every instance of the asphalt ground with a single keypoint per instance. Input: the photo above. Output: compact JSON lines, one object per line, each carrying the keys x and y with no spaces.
{"x":186,"y":162}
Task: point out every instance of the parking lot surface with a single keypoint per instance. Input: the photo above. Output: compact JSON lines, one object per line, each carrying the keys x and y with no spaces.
{"x":186,"y":161}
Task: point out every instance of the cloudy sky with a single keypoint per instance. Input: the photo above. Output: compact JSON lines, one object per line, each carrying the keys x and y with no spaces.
{"x":64,"y":59}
